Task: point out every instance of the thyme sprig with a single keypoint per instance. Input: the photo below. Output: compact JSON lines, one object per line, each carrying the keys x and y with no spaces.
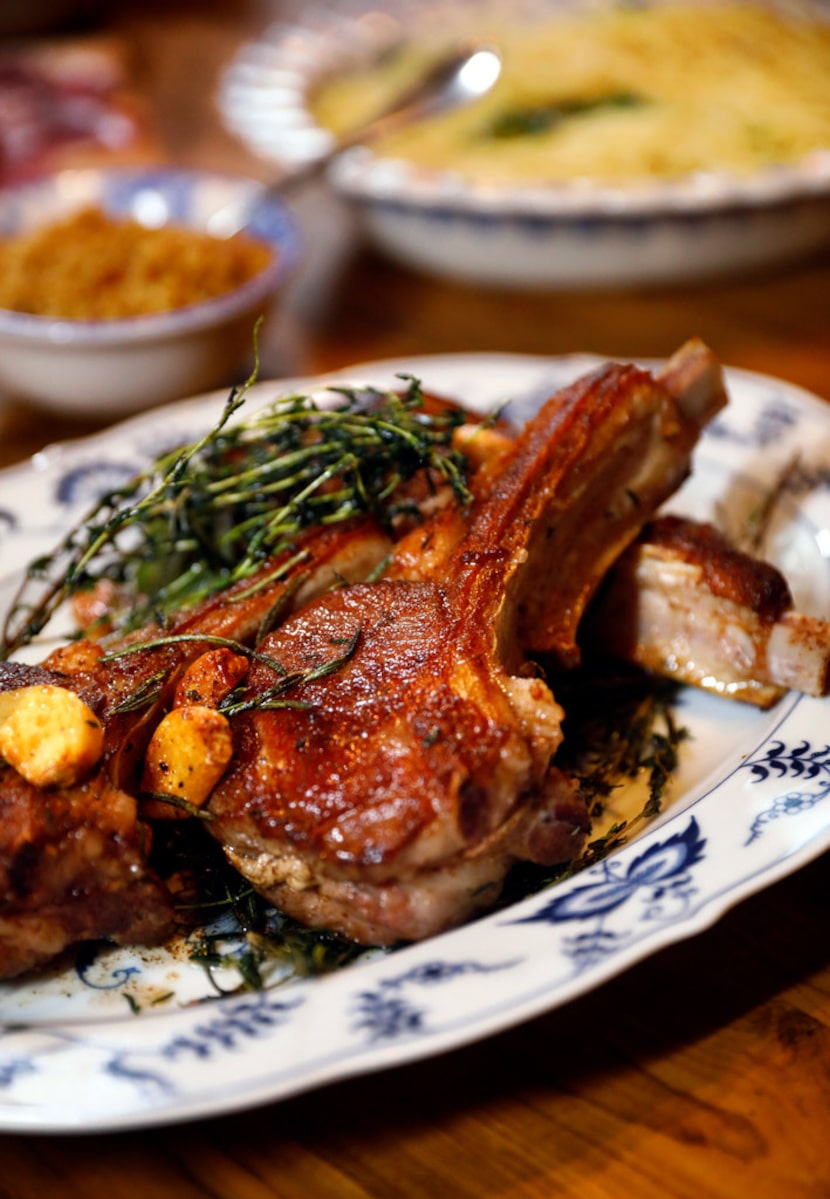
{"x":231,"y":930}
{"x":208,"y":514}
{"x":632,"y":735}
{"x":628,"y":739}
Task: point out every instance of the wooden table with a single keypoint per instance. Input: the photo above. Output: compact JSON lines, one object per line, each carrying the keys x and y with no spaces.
{"x":704,"y":1071}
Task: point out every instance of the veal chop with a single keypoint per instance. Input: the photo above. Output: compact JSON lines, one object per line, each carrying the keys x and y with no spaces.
{"x":414,"y":765}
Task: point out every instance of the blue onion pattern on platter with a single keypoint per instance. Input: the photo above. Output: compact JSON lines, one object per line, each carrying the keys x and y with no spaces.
{"x":660,"y":880}
{"x":804,"y":767}
{"x":389,"y":1011}
{"x":770,"y":423}
{"x":748,"y":807}
{"x":88,"y":972}
{"x":8,"y":524}
{"x":91,"y":481}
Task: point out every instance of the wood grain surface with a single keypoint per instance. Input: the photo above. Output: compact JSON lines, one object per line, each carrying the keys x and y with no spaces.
{"x":702,"y":1072}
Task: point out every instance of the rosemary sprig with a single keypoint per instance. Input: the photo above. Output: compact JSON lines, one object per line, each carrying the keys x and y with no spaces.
{"x":274,"y":697}
{"x":238,"y":647}
{"x":175,"y":801}
{"x":270,"y":698}
{"x":210,"y":513}
{"x":630,"y":735}
{"x":144,"y":695}
{"x":230,"y":927}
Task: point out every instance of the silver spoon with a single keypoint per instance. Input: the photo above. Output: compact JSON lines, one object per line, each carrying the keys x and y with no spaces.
{"x":462,"y":76}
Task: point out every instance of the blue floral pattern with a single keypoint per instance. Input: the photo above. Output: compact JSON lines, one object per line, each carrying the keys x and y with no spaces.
{"x":111,"y":982}
{"x":803,"y":762}
{"x":769,"y":424}
{"x":237,"y":1022}
{"x":92,"y":481}
{"x":387,"y":1012}
{"x":660,"y":878}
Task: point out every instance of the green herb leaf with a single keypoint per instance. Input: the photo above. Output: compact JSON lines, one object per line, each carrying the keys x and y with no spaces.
{"x":210,"y":513}
{"x":533,"y":120}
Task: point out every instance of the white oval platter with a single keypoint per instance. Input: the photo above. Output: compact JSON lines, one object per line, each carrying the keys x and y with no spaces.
{"x":135,"y":1039}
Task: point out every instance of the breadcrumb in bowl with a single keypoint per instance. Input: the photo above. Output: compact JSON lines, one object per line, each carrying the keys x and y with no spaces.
{"x":92,"y":266}
{"x":120,"y":290}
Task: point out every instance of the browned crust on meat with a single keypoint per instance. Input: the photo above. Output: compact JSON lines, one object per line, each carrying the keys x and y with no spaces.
{"x":72,"y":868}
{"x":726,"y":572}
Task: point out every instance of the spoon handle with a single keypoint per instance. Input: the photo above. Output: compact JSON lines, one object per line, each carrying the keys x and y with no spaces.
{"x":439,"y":88}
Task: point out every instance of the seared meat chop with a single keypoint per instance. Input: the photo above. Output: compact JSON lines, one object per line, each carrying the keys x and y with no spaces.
{"x":682,"y":602}
{"x":73,"y":859}
{"x":390,"y":802}
{"x":445,"y":738}
{"x":73,"y":868}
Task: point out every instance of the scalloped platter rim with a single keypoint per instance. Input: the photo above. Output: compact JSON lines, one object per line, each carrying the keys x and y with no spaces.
{"x":129,"y":1041}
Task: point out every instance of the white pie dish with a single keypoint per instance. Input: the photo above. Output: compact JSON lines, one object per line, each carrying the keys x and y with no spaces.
{"x":579,"y":235}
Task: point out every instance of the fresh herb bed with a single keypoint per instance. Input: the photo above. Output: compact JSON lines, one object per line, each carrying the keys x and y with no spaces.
{"x":208,"y":515}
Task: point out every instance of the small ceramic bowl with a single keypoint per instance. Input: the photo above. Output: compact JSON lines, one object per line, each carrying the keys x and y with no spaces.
{"x":575,"y":235}
{"x":111,"y":367}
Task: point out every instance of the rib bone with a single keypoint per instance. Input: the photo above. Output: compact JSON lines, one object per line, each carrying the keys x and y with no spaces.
{"x":416,"y":767}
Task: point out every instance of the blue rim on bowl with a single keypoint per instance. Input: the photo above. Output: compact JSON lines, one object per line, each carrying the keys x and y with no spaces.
{"x":205,"y":200}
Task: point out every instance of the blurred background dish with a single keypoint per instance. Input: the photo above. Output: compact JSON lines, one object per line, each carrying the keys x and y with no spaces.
{"x":171,"y":341}
{"x":19,"y":17}
{"x":67,"y":100}
{"x":663,"y":224}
